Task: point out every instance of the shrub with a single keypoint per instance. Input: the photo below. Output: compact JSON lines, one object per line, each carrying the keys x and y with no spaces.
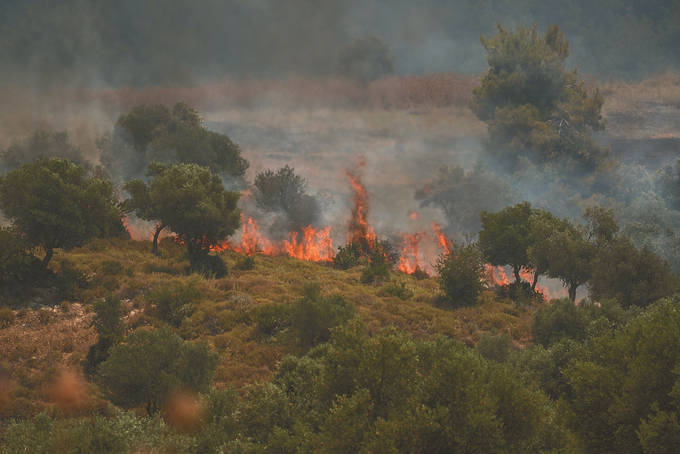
{"x":495,"y":347}
{"x":151,"y":365}
{"x":560,"y":319}
{"x":313,"y":316}
{"x":245,"y":264}
{"x":111,"y":267}
{"x":176,"y":301}
{"x":397,"y":289}
{"x":209,"y":266}
{"x":6,"y":317}
{"x":110,"y":330}
{"x":347,"y":257}
{"x":520,"y":292}
{"x":461,"y":275}
{"x":272,"y":319}
{"x":375,"y":272}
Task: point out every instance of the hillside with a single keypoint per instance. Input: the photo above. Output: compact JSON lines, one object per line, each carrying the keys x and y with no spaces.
{"x":44,"y":339}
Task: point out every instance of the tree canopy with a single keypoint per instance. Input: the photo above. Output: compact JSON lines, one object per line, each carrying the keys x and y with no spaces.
{"x":53,"y":203}
{"x":532,"y":105}
{"x":285,"y":192}
{"x":150,"y":365}
{"x":156,"y":132}
{"x":189,"y":200}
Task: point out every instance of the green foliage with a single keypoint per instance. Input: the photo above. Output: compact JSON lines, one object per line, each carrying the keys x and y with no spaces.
{"x":621,"y":383}
{"x":246,"y":263}
{"x":631,"y":276}
{"x":461,"y":275}
{"x":192,"y":202}
{"x":149,"y":133}
{"x":176,"y":301}
{"x":272,"y":319}
{"x":150,"y":365}
{"x":313,"y":316}
{"x":348,"y":256}
{"x":533,"y":106}
{"x":209,"y":265}
{"x":285,"y":192}
{"x":366,"y":59}
{"x":496,"y":347}
{"x":42,"y":144}
{"x":375,"y":272}
{"x":6,"y":317}
{"x":505,"y":237}
{"x":18,"y":268}
{"x":397,"y":289}
{"x":110,"y":330}
{"x":119,"y":433}
{"x":111,"y":267}
{"x":54,"y":204}
{"x":562,"y":318}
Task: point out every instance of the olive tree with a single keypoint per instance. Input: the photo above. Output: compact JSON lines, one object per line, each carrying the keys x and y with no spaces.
{"x":53,"y":203}
{"x":188,"y":199}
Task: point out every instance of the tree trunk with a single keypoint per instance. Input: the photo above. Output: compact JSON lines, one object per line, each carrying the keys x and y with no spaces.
{"x":516,"y":269}
{"x":572,"y":292}
{"x":159,"y":227}
{"x":49,"y":252}
{"x":533,"y":284}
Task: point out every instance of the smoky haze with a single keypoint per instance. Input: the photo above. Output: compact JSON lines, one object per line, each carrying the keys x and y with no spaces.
{"x":96,"y":42}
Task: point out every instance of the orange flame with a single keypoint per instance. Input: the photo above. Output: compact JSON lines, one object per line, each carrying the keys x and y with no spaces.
{"x":410,"y":260}
{"x":315,"y":245}
{"x":360,"y":231}
{"x":441,"y":238}
{"x":497,"y":275}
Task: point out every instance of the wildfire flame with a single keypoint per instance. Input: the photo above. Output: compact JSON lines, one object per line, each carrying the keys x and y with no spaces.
{"x":360,"y":231}
{"x":410,"y":259}
{"x":315,"y":245}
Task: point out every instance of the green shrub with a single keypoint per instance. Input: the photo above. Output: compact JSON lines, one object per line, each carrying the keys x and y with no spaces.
{"x":397,"y":289}
{"x":496,"y":347}
{"x":111,"y":267}
{"x":375,"y":272}
{"x":151,"y":365}
{"x":560,"y":319}
{"x":313,"y":316}
{"x":245,"y":264}
{"x":208,"y":265}
{"x":348,"y":256}
{"x":175,"y":301}
{"x":272,"y":319}
{"x":6,"y":317}
{"x":461,"y":275}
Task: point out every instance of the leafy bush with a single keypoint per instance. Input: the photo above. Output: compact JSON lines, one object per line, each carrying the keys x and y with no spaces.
{"x":313,"y":316}
{"x":111,"y":267}
{"x":150,"y":365}
{"x":6,"y":317}
{"x":245,"y":264}
{"x":461,"y":275}
{"x":560,"y":319}
{"x":520,"y":292}
{"x":348,"y":256}
{"x":397,"y":289}
{"x":174,"y":302}
{"x":209,"y":265}
{"x":496,"y":347}
{"x":375,"y":272}
{"x":110,"y":330}
{"x":272,"y":319}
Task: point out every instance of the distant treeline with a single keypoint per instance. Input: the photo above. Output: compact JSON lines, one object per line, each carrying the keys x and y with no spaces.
{"x":139,"y":43}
